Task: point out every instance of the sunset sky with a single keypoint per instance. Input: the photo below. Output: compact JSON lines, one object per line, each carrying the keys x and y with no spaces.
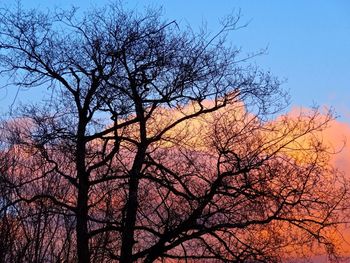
{"x":307,"y":47}
{"x":308,"y":42}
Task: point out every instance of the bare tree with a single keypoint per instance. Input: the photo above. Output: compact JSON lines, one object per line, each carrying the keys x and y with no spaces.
{"x":156,"y":143}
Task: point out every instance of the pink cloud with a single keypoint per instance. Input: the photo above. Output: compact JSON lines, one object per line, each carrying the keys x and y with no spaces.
{"x":338,"y":135}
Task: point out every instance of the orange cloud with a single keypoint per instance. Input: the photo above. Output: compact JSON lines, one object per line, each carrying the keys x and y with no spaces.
{"x":338,"y":135}
{"x":337,"y":138}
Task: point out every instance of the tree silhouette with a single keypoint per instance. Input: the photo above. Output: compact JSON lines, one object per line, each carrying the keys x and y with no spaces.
{"x":157,"y":143}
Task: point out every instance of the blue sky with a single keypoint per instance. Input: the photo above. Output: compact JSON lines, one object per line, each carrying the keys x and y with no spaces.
{"x":308,"y":41}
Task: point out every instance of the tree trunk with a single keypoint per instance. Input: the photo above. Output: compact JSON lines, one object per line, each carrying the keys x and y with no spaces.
{"x":131,"y":209}
{"x":128,"y":233}
{"x":82,"y":200}
{"x":82,"y":227}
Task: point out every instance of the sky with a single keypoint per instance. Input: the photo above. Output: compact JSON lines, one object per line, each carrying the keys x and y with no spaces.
{"x":308,"y":42}
{"x":308,"y":45}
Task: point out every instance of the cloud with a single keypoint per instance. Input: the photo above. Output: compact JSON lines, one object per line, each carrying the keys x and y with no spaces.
{"x":338,"y":135}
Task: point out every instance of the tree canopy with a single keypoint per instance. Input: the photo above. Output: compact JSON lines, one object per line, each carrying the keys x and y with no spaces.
{"x":157,"y":143}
